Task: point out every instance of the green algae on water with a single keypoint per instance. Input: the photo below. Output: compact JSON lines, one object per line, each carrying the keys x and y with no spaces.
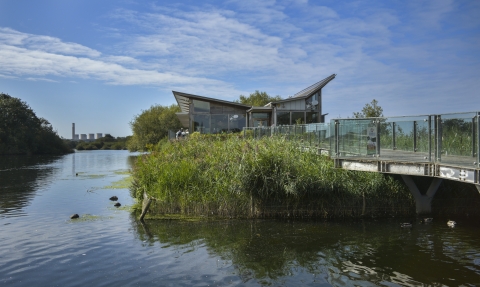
{"x":120,"y":184}
{"x":89,"y":217}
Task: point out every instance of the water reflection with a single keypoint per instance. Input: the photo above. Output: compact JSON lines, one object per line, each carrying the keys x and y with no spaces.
{"x":20,"y":177}
{"x":338,"y":253}
{"x":46,"y":246}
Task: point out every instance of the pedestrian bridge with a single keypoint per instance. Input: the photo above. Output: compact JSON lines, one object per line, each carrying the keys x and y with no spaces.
{"x":444,"y":146}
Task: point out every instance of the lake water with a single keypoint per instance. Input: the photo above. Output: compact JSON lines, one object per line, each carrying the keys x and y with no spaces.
{"x":41,"y":246}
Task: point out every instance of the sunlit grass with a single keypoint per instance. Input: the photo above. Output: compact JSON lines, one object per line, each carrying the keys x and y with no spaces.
{"x":235,"y":177}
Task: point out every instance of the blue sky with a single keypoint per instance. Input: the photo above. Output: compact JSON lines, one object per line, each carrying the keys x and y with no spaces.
{"x":99,"y":63}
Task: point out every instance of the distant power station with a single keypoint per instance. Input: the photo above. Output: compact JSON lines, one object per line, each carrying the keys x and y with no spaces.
{"x":83,"y":137}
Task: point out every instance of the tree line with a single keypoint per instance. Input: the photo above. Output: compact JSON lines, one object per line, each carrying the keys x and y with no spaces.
{"x":108,"y":142}
{"x":22,"y":132}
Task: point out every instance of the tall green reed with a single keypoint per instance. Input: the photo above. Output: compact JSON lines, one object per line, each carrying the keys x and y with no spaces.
{"x":239,"y":177}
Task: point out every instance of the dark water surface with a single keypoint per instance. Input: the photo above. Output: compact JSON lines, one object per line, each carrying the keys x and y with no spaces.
{"x":41,"y":246}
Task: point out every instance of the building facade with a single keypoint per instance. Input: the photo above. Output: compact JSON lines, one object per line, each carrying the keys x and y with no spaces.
{"x":209,"y":115}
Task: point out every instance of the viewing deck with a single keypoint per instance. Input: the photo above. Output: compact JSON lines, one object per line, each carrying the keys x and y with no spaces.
{"x":443,"y":146}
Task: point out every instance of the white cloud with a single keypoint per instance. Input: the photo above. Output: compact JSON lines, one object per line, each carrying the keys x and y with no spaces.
{"x":393,"y":55}
{"x":40,"y":80}
{"x":44,"y":43}
{"x":29,"y":55}
{"x":289,"y":52}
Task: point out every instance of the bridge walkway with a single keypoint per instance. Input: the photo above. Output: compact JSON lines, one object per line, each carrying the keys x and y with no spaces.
{"x":443,"y":146}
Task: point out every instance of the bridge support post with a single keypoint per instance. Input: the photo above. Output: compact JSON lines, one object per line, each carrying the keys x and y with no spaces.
{"x":423,"y":202}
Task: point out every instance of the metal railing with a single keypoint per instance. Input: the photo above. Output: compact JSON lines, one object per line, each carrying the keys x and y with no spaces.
{"x":452,"y":139}
{"x":311,"y":135}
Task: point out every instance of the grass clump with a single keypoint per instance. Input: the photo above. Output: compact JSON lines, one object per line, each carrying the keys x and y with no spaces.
{"x":270,"y":177}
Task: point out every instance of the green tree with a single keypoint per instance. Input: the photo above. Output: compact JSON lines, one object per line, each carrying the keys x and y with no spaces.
{"x":22,"y":132}
{"x":370,"y":110}
{"x":152,"y":125}
{"x":106,"y":142}
{"x":257,"y":99}
{"x":108,"y":138}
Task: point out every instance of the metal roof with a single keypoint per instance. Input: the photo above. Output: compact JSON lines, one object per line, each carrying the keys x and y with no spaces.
{"x":183,"y":100}
{"x":315,"y":87}
{"x":260,"y":109}
{"x":307,"y":92}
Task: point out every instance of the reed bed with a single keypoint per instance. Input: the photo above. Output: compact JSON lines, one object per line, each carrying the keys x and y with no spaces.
{"x":231,"y":176}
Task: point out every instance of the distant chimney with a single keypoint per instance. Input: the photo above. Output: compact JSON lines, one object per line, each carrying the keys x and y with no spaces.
{"x":73,"y":131}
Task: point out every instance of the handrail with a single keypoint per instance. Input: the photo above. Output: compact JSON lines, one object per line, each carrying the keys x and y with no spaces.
{"x":452,"y":139}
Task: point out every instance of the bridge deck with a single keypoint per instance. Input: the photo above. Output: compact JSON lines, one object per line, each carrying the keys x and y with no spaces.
{"x":417,"y":157}
{"x":446,"y":137}
{"x":460,"y":168}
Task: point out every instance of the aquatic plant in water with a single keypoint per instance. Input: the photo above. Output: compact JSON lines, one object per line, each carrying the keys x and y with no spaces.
{"x":235,"y":177}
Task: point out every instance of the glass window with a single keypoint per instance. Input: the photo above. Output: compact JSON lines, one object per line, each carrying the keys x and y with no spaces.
{"x":298,"y":118}
{"x":219,"y":124}
{"x":236,"y":122}
{"x":260,"y":115}
{"x":201,"y":106}
{"x":260,"y":123}
{"x":260,"y":119}
{"x":201,"y":123}
{"x":312,"y":117}
{"x":283,"y":118}
{"x":313,"y":103}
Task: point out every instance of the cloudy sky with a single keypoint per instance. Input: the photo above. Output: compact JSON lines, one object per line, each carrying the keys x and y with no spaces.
{"x":99,"y":63}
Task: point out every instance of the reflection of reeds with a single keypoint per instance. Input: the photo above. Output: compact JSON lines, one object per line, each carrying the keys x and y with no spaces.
{"x":233,"y":177}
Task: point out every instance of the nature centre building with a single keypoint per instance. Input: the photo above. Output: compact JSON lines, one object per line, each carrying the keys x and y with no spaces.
{"x":210,"y":116}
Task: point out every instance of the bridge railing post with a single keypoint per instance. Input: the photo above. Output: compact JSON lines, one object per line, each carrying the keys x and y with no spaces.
{"x":478,"y":141}
{"x":394,"y":143}
{"x":378,"y":137}
{"x":438,"y":138}
{"x":430,"y":138}
{"x":474,"y":148}
{"x":336,"y":138}
{"x":414,"y":136}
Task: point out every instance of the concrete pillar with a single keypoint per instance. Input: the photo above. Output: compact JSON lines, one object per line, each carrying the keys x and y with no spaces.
{"x":423,"y":202}
{"x":478,"y":187}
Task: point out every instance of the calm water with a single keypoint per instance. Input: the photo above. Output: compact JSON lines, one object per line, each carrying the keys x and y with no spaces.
{"x":41,"y":246}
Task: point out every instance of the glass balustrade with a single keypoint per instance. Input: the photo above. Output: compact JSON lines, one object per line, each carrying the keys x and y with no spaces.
{"x":448,"y":139}
{"x":459,"y":143}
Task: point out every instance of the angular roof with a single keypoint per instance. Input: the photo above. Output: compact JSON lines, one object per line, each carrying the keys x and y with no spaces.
{"x":183,"y":100}
{"x":260,"y":109}
{"x":315,"y":87}
{"x":307,"y":92}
